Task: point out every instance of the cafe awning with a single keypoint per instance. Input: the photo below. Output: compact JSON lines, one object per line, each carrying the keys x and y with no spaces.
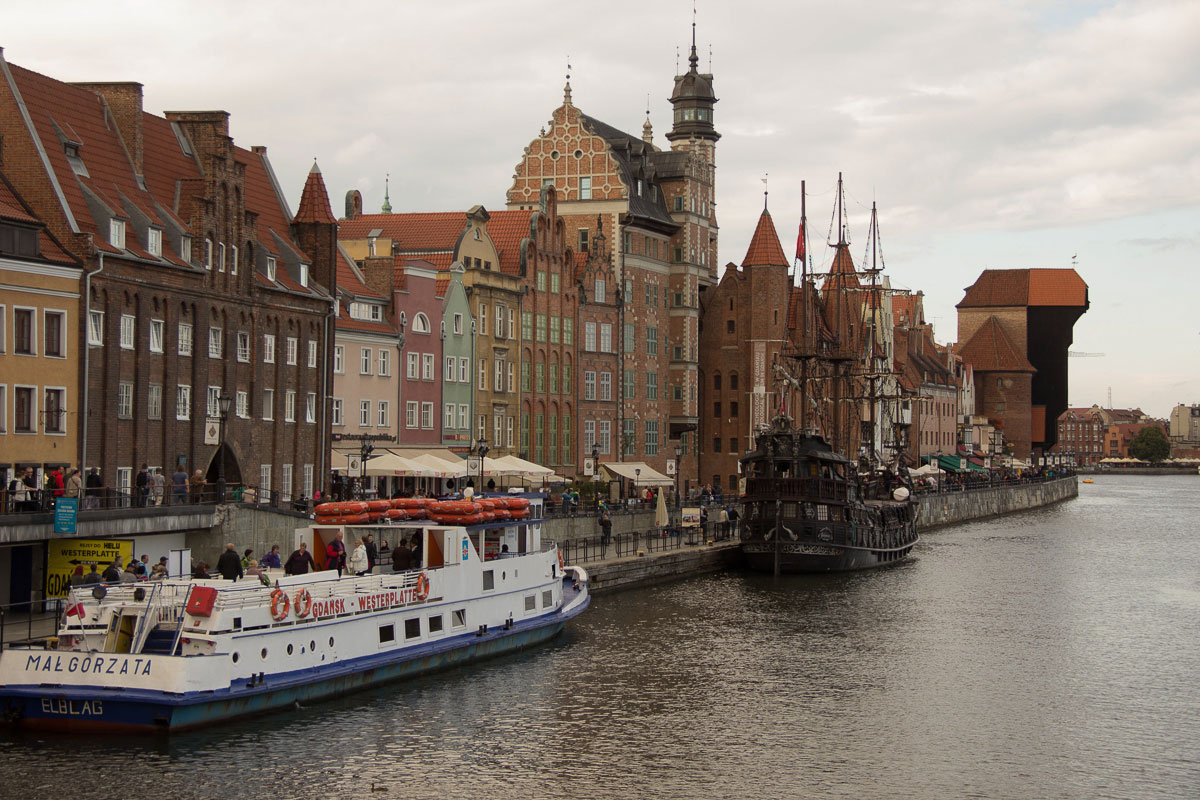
{"x":641,"y":473}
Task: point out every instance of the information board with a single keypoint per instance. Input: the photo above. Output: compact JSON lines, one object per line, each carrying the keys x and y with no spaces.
{"x":64,"y":555}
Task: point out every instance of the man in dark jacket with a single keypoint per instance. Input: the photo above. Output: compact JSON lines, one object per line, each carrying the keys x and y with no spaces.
{"x":300,"y":562}
{"x":113,"y":573}
{"x":229,"y":565}
{"x":401,"y":557}
{"x":372,"y":552}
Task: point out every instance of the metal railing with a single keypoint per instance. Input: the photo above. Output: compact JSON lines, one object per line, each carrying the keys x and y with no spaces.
{"x":581,"y":550}
{"x":101,"y":498}
{"x":29,"y":621}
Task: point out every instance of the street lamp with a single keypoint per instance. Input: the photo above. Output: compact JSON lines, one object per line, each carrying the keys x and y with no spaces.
{"x":223,"y":408}
{"x":678,"y":498}
{"x":596,"y":474}
{"x":365,"y":449}
{"x":637,"y":483}
{"x":479,"y":450}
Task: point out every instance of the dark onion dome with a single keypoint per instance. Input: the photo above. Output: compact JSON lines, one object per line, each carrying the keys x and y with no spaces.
{"x":693,"y":99}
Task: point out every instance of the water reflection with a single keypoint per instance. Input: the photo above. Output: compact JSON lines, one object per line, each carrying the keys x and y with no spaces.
{"x":1050,"y":654}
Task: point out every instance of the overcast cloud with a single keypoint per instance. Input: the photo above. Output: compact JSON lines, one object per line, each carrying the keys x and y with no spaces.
{"x":1014,"y":134}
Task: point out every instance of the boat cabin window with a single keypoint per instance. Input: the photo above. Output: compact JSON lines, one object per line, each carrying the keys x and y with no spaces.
{"x":489,"y":580}
{"x":547,"y":598}
{"x":531,"y":602}
{"x":412,"y":628}
{"x":435,"y":623}
{"x":460,"y":618}
{"x":387,"y":633}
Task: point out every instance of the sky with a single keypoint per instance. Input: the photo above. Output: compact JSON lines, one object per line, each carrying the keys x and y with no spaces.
{"x":1019,"y":134}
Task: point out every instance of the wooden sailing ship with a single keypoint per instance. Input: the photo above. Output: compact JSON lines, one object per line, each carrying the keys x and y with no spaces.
{"x":828,"y":491}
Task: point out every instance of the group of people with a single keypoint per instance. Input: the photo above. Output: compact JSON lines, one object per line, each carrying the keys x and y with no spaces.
{"x":24,"y":494}
{"x":138,"y":569}
{"x":360,"y":559}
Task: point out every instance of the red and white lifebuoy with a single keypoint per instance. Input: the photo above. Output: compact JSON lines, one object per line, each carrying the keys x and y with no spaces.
{"x":303,"y":603}
{"x":560,"y":562}
{"x":280,"y":604}
{"x":422,"y":587}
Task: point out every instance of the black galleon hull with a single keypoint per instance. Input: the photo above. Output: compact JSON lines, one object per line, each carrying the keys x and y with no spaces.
{"x":796,"y":557}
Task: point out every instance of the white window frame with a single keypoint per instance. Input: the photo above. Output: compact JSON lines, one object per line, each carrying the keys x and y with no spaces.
{"x":427,"y":416}
{"x":458,"y":323}
{"x":448,"y":415}
{"x":293,"y":350}
{"x":364,"y":413}
{"x":183,"y":401}
{"x":233,"y":263}
{"x":186,"y":335}
{"x":411,"y":412}
{"x":339,"y":359}
{"x":464,"y":367}
{"x":413,"y":369}
{"x":154,"y":242}
{"x":381,"y":413}
{"x":289,"y":405}
{"x":264,"y":481}
{"x":128,"y":331}
{"x":242,"y":404}
{"x":364,"y":360}
{"x":427,"y":366}
{"x":268,"y":348}
{"x":243,"y":347}
{"x":220,"y":256}
{"x":448,"y":373}
{"x":312,"y":354}
{"x":212,"y":403}
{"x":483,"y":374}
{"x":335,"y":412}
{"x":310,"y":407}
{"x":268,"y":410}
{"x":208,"y":253}
{"x":154,"y":401}
{"x":116,"y":233}
{"x":216,"y":342}
{"x":95,"y":328}
{"x":385,"y":363}
{"x":272,"y":269}
{"x":285,"y":482}
{"x":463,"y":410}
{"x":156,"y":335}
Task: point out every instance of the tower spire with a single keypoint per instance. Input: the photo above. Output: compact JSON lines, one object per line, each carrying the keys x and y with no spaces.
{"x":387,"y":201}
{"x":567,"y":88}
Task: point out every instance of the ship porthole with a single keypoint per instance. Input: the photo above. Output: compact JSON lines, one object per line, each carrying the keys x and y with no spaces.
{"x":289,"y":649}
{"x":331,"y":641}
{"x":312,"y":645}
{"x":264,"y":652}
{"x":235,"y":658}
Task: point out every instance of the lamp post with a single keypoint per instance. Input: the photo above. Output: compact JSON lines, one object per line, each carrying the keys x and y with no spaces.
{"x":596,"y":474}
{"x":478,"y":450}
{"x":678,"y":498}
{"x":223,"y":408}
{"x":365,"y":449}
{"x":637,"y":483}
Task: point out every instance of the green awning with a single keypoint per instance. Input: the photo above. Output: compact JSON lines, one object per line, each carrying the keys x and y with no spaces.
{"x":950,"y":463}
{"x":972,"y":465}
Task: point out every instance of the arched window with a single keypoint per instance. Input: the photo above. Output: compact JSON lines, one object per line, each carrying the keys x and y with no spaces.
{"x":716,"y":383}
{"x":420,"y":323}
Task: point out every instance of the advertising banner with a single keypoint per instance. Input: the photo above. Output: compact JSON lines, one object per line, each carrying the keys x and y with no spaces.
{"x":64,"y":555}
{"x":66,"y":512}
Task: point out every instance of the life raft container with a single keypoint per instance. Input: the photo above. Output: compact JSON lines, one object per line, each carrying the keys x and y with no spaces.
{"x":456,"y":507}
{"x":516,"y":503}
{"x":396,"y":513}
{"x":340,"y":509}
{"x":408,"y":502}
{"x":378,"y":505}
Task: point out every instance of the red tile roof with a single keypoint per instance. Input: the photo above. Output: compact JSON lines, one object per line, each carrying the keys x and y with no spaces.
{"x":13,"y":209}
{"x":990,"y":349}
{"x":438,"y":230}
{"x":1026,"y":287}
{"x":765,"y":249}
{"x":508,"y":229}
{"x":314,"y":199}
{"x":349,"y":279}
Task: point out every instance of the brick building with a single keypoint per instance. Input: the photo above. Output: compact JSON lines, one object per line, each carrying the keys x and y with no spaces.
{"x":599,"y":367}
{"x":198,"y":287}
{"x":1015,"y":327}
{"x":656,"y":210}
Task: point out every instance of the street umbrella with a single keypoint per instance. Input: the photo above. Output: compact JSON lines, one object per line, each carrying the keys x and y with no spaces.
{"x":660,"y":511}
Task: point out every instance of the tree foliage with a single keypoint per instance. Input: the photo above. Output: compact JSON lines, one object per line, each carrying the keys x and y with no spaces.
{"x":1150,"y":444}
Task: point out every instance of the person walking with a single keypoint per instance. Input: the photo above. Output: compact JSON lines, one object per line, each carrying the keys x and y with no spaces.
{"x":75,"y":485}
{"x":158,"y":485}
{"x":196,"y":485}
{"x":229,"y":565}
{"x":605,"y":530}
{"x":271,"y":559}
{"x":94,"y":486}
{"x":142,"y":484}
{"x":300,"y":562}
{"x":18,"y":491}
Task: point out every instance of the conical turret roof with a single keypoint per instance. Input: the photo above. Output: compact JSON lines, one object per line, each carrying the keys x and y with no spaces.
{"x":765,"y":249}
{"x":314,"y":200}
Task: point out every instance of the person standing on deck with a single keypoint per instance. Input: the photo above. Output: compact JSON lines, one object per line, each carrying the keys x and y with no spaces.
{"x":359,"y":561}
{"x":300,"y":562}
{"x":229,"y":565}
{"x":335,"y":554}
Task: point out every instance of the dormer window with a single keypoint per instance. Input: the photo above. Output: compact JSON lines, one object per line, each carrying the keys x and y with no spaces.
{"x":304,"y":275}
{"x":220,"y":257}
{"x":208,"y":253}
{"x":154,"y":242}
{"x":116,"y":233}
{"x":185,"y":249}
{"x":233,"y":259}
{"x":271,"y":268}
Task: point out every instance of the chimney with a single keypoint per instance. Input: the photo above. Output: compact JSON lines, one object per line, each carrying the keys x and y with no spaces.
{"x":208,"y":131}
{"x":125,"y":103}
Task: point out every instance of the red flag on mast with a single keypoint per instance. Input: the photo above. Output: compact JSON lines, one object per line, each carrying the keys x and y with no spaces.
{"x":800,"y":243}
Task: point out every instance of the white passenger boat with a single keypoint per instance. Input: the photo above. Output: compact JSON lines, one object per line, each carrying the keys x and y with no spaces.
{"x":177,"y":654}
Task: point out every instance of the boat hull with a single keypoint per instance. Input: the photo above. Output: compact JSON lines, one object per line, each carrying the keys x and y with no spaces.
{"x":99,"y":709}
{"x":803,"y":557}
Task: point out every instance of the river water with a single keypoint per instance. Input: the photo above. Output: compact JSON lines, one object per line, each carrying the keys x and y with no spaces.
{"x":1054,"y":653}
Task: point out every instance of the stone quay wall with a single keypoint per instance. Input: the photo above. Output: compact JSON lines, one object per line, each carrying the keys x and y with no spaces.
{"x":947,"y":508}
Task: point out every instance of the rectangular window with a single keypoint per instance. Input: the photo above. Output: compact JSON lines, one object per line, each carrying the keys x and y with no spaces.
{"x":208,"y":254}
{"x":216,"y":343}
{"x":427,"y":416}
{"x":339,"y":359}
{"x":54,"y":411}
{"x":268,"y":348}
{"x":541,"y":327}
{"x":511,"y":377}
{"x":220,"y":256}
{"x":264,"y":479}
{"x":585,"y":188}
{"x":336,"y":411}
{"x":499,"y":384}
{"x":243,"y":346}
{"x":413,"y":370}
{"x":127,"y":333}
{"x":312,"y":354}
{"x":604,"y":436}
{"x":233,"y":259}
{"x":462,"y":416}
{"x":183,"y":402}
{"x":364,"y":361}
{"x":483,"y":314}
{"x":554,"y":283}
{"x":271,"y":268}
{"x":310,"y":407}
{"x":589,"y":385}
{"x":242,"y":404}
{"x":541,"y":280}
{"x":53,"y":325}
{"x":385,"y":362}
{"x":458,"y":324}
{"x":24,"y":409}
{"x":651,"y":437}
{"x":525,"y":376}
{"x":498,"y":429}
{"x":95,"y":328}
{"x":627,"y":332}
{"x":524,"y":433}
{"x":630,"y":434}
{"x":606,"y":345}
{"x":554,"y":379}
{"x":463,"y":367}
{"x":508,"y":431}
{"x":589,"y":434}
{"x":285,"y":482}
{"x":651,"y":385}
{"x":364,"y":413}
{"x":411,"y":409}
{"x":483,"y":374}
{"x":539,"y":379}
{"x":606,"y":386}
{"x":448,"y":416}
{"x":213,"y":402}
{"x":382,"y":414}
{"x":293,"y":346}
{"x":116,"y":233}
{"x":526,"y":325}
{"x":268,"y":410}
{"x":154,"y":242}
{"x":568,"y":331}
{"x":427,"y":366}
{"x":154,"y":401}
{"x":555,"y":329}
{"x":651,"y":341}
{"x":566,"y":379}
{"x":630,"y":381}
{"x":589,"y":336}
{"x":499,"y":321}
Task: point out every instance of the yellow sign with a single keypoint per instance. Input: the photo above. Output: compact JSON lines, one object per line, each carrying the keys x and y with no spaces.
{"x":65,"y":555}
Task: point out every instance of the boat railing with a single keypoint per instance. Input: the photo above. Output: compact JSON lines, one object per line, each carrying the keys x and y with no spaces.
{"x":815,"y":488}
